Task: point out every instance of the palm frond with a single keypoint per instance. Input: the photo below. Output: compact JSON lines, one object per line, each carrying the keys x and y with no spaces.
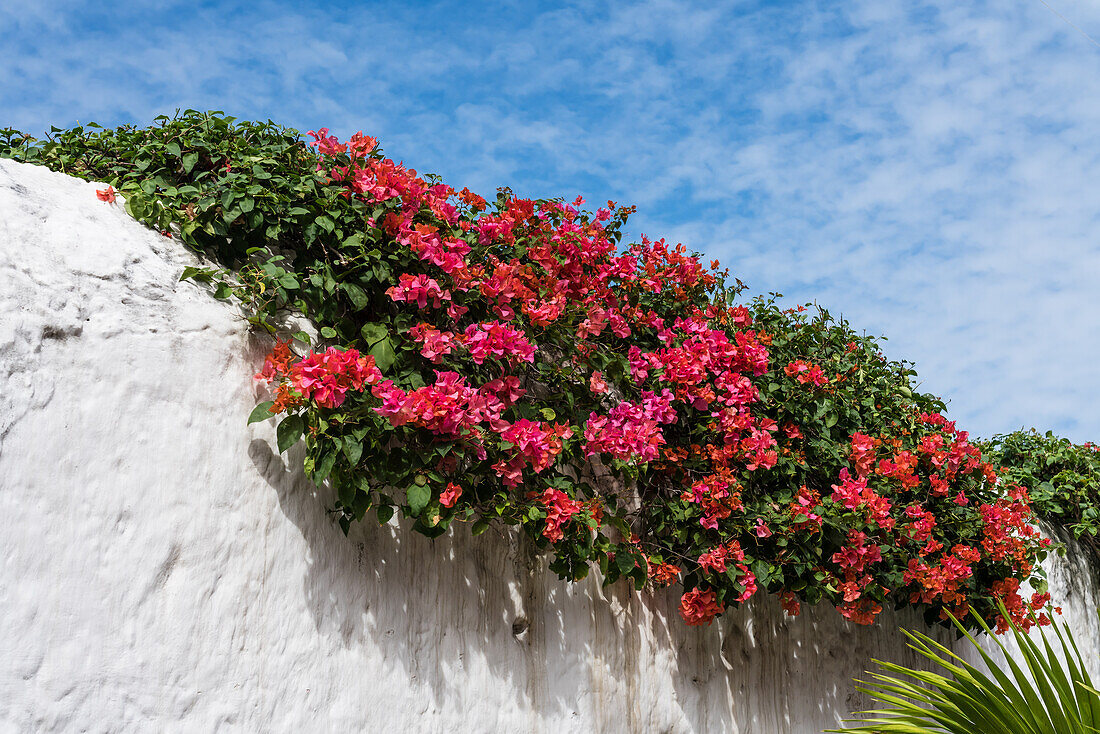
{"x":1045,"y":689}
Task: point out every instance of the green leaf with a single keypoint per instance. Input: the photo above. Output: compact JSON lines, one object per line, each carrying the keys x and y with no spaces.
{"x":353,"y":450}
{"x":479,"y":527}
{"x":289,"y":431}
{"x":356,"y":295}
{"x":324,"y":467}
{"x":190,"y":272}
{"x":625,"y":561}
{"x":346,"y":494}
{"x":189,"y":161}
{"x":417,"y":498}
{"x":261,"y":412}
{"x":383,"y":354}
{"x":762,"y":571}
{"x":328,"y":332}
{"x":1051,"y":696}
{"x":385,"y":512}
{"x":373,"y":333}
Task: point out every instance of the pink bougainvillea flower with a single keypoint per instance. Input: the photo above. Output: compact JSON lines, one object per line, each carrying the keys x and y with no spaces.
{"x":537,"y":443}
{"x":687,"y":419}
{"x":107,"y":194}
{"x":494,"y":339}
{"x":326,"y":144}
{"x":450,"y":495}
{"x":326,"y":377}
{"x":418,"y":289}
{"x":559,"y":509}
{"x":436,"y":344}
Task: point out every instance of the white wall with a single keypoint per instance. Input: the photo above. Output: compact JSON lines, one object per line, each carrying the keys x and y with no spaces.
{"x":162,"y":569}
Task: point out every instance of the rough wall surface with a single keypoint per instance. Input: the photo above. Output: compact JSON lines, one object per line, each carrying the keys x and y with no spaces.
{"x":162,"y":569}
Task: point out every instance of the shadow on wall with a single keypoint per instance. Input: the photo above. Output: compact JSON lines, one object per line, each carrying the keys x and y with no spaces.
{"x":611,"y":658}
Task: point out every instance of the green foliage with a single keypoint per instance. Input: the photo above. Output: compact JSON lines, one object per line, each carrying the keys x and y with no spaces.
{"x":1062,"y":477}
{"x":1044,"y":695}
{"x":246,"y":194}
{"x":260,"y":412}
{"x":286,"y":237}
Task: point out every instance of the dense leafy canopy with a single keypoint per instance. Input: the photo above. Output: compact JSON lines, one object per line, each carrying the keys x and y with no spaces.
{"x":514,"y":361}
{"x":1064,"y":478}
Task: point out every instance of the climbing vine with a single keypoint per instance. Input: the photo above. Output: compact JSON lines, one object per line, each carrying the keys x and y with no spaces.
{"x":517,"y":361}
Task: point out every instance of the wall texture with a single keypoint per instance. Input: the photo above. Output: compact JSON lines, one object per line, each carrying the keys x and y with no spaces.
{"x":162,"y":569}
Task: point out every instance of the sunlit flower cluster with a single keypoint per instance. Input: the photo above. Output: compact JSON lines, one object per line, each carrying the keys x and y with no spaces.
{"x":532,"y":345}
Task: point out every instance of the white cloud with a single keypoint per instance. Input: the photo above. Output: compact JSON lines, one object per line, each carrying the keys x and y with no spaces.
{"x":925,"y":169}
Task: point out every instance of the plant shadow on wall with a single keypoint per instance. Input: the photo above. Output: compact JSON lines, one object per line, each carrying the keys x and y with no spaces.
{"x":556,"y":648}
{"x":478,"y":360}
{"x":748,"y":665}
{"x":488,"y":597}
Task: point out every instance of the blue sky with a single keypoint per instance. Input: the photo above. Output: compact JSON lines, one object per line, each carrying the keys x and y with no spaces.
{"x":928,"y":170}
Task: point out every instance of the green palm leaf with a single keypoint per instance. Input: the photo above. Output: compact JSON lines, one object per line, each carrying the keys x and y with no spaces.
{"x":1038,"y":693}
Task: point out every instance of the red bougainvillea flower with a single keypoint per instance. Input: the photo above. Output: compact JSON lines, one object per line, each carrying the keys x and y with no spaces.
{"x":795,"y":368}
{"x":107,"y":194}
{"x":790,"y":603}
{"x":699,"y":607}
{"x":277,"y":363}
{"x":813,"y":376}
{"x":862,"y":611}
{"x":663,"y":574}
{"x":863,"y":453}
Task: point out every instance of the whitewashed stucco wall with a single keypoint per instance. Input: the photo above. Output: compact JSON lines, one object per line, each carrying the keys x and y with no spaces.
{"x":162,"y":569}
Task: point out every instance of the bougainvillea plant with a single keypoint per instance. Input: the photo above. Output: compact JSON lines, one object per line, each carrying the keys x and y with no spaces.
{"x":512,"y":360}
{"x":1064,"y":478}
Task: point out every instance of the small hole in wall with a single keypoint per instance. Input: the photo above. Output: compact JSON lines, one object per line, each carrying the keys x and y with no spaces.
{"x":519,"y":626}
